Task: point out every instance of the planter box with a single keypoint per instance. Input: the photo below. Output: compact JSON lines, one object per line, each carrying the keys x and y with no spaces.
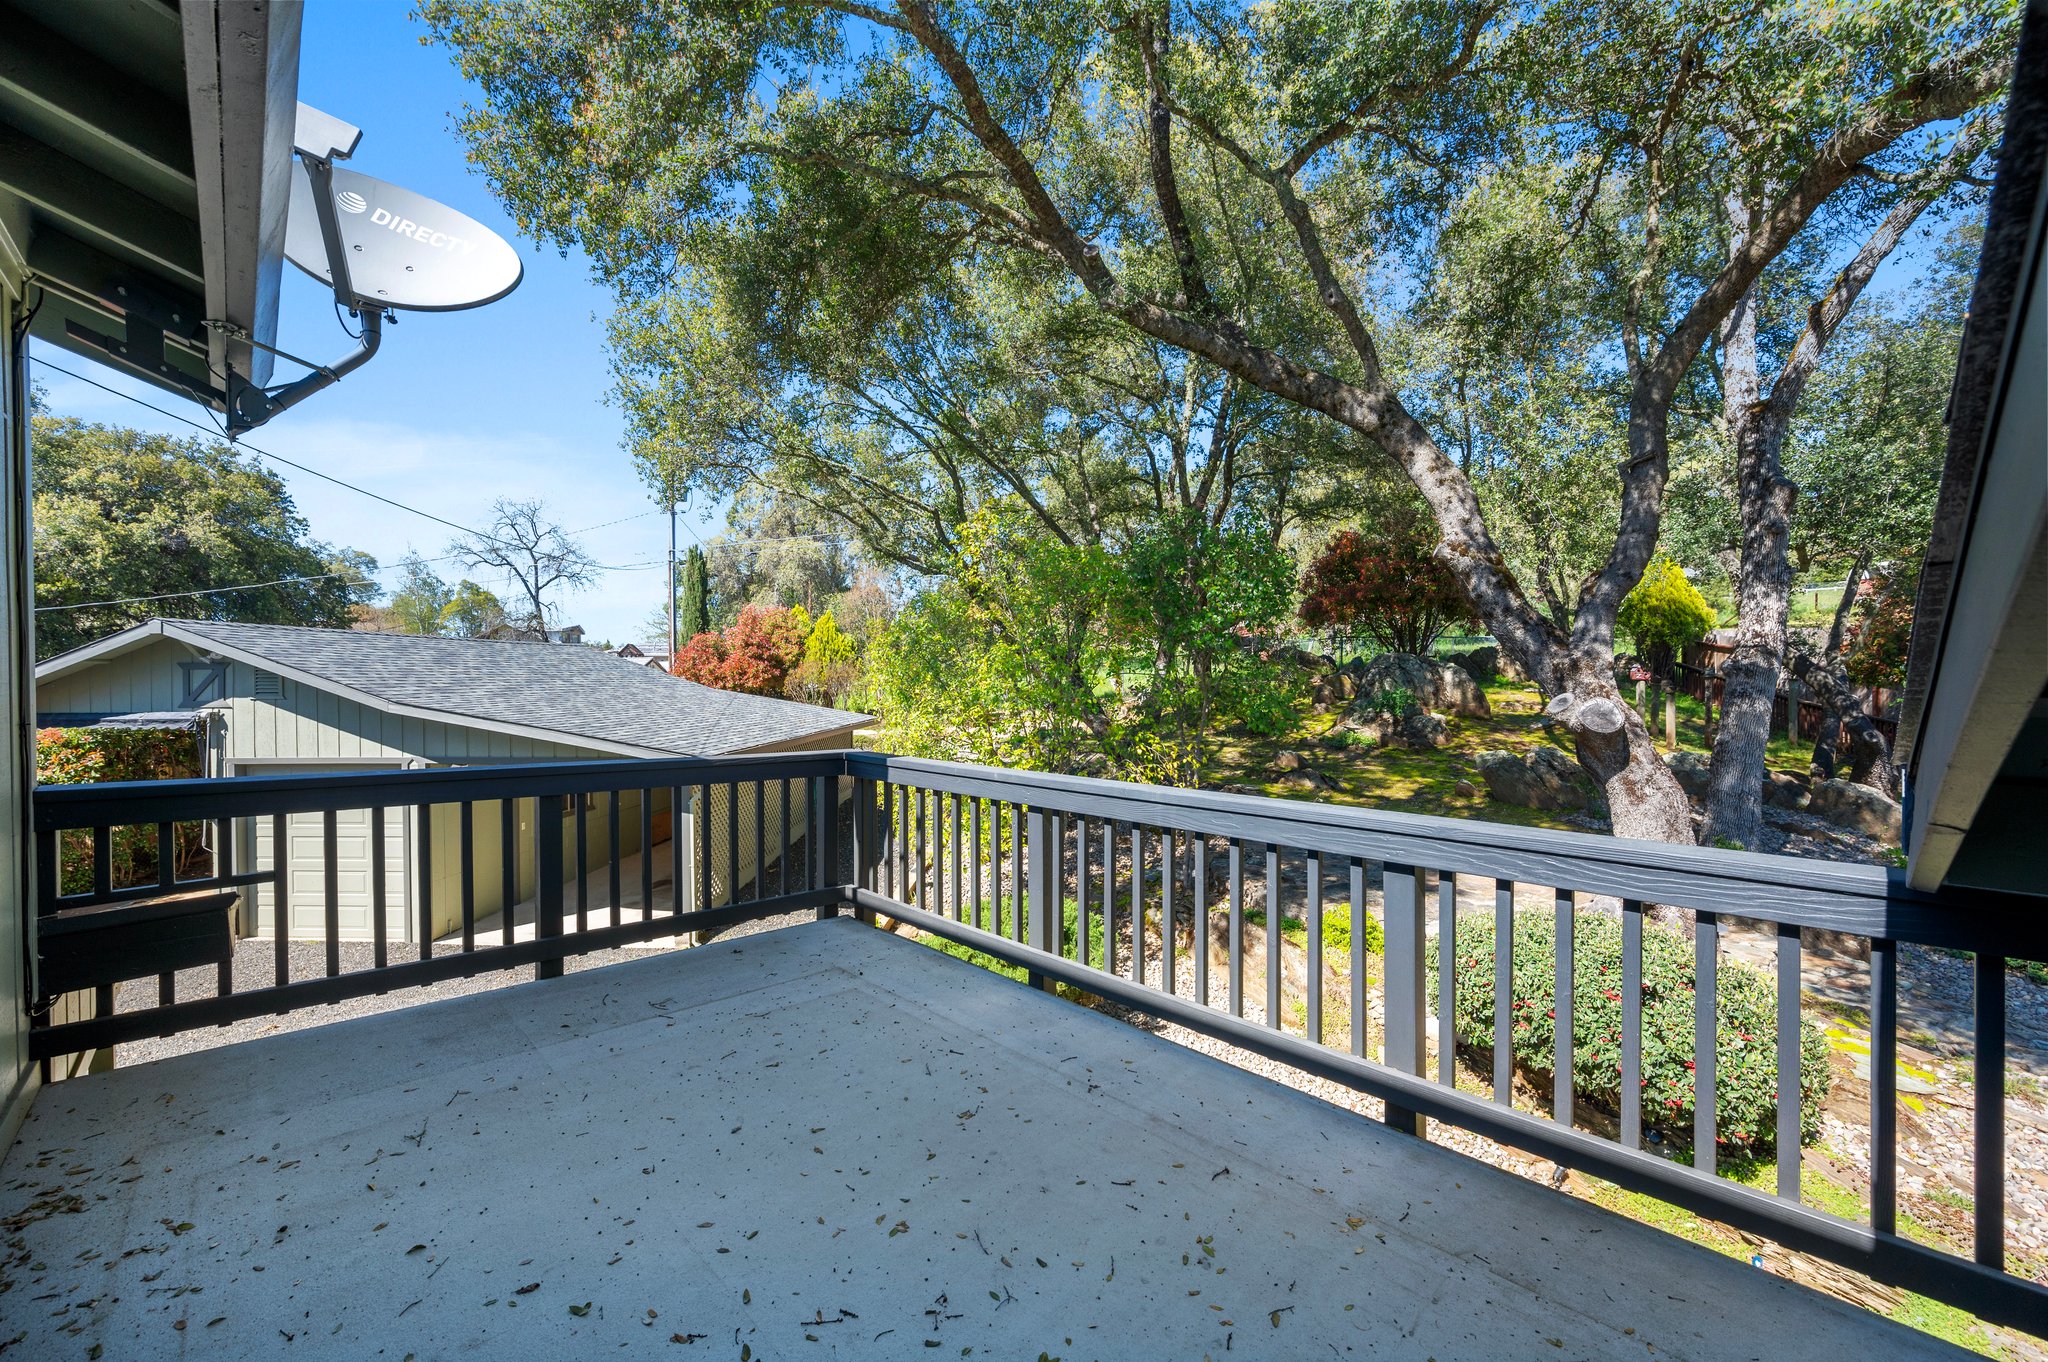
{"x":83,"y":948}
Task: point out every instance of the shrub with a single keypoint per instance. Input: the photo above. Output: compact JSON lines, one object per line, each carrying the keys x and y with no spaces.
{"x":1388,"y":586}
{"x":1389,"y":704}
{"x":1745,"y":1053}
{"x":1337,"y":932}
{"x":91,"y":756}
{"x":1664,"y":615}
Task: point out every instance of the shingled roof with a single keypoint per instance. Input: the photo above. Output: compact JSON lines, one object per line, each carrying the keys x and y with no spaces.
{"x":570,"y":692}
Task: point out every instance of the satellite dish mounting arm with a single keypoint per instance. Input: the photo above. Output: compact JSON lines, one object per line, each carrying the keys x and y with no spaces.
{"x":322,"y":140}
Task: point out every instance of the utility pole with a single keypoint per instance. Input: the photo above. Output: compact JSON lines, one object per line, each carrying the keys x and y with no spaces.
{"x":671,"y":668}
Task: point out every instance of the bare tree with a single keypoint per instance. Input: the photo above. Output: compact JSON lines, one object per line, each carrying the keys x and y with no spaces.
{"x":533,"y":555}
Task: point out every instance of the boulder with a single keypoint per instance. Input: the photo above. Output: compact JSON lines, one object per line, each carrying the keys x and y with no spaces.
{"x":1420,"y":731}
{"x":1435,"y":685}
{"x":1548,"y":778}
{"x":1856,"y":806}
{"x":1334,"y":689}
{"x":1481,"y":664}
{"x":1417,"y":730}
{"x":1290,"y":761}
{"x":1466,"y":789}
{"x":1785,"y":791}
{"x":1691,"y":770}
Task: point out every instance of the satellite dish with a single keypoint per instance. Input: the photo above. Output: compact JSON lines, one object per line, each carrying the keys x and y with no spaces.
{"x":404,"y":249}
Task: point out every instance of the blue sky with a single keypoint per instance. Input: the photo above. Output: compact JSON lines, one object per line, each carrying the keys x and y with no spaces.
{"x":458,"y":408}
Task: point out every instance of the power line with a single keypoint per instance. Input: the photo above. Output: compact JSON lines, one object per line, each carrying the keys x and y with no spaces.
{"x":275,"y":458}
{"x":338,"y":482}
{"x":209,"y":591}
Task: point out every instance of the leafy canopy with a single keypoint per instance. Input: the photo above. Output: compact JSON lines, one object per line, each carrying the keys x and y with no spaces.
{"x":119,"y":513}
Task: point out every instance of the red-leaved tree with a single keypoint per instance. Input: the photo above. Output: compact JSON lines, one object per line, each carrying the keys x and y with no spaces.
{"x":756,"y":653}
{"x":1389,"y":586}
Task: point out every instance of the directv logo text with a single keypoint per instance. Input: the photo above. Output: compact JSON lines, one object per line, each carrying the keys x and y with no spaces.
{"x":418,"y":231}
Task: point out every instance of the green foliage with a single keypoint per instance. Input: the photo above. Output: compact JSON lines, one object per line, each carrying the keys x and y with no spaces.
{"x":91,"y":756}
{"x":1059,"y":656}
{"x":1337,"y":933}
{"x":119,"y":513}
{"x":693,"y":595}
{"x":1745,"y":1049}
{"x":1390,"y":703}
{"x":1664,"y":614}
{"x":472,"y":611}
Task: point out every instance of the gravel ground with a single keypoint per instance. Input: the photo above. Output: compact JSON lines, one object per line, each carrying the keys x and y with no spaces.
{"x":255,"y":967}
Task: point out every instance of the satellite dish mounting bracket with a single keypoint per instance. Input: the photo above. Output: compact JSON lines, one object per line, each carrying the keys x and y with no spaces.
{"x":250,"y":405}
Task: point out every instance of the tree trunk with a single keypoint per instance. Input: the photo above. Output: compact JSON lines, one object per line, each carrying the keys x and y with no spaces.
{"x":1870,"y":756}
{"x":1614,"y":746}
{"x":1763,"y":592}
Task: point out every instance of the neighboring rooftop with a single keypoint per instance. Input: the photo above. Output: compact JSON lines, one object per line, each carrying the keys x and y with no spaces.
{"x":822,"y":1140}
{"x":574,"y":691}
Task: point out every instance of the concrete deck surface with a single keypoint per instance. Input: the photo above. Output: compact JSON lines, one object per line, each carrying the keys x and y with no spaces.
{"x":817,"y":1142}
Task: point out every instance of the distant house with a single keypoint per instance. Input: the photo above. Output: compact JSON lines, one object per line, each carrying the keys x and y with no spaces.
{"x":271,"y":699}
{"x":644,"y":657}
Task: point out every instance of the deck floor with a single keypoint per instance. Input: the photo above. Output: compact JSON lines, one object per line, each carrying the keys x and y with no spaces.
{"x":816,"y":1142}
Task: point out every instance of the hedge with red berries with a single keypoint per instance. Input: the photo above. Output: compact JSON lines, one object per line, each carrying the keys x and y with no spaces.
{"x":1746,"y":1005}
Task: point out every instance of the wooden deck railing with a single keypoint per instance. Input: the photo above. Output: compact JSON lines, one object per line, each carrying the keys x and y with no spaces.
{"x":1157,"y":899}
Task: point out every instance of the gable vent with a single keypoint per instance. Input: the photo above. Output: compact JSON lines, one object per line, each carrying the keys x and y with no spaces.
{"x":269,"y":685}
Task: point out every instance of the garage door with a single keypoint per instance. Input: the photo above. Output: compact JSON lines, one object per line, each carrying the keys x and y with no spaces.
{"x":354,"y":870}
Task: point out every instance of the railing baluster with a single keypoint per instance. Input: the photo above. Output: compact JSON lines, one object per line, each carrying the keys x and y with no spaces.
{"x":1988,"y":1185}
{"x":1504,"y":992}
{"x":280,"y":898}
{"x":974,"y":860}
{"x":995,"y":867}
{"x":760,"y":840}
{"x":1200,"y":850}
{"x":1082,"y":861}
{"x":1407,"y":995}
{"x":887,"y":846}
{"x":166,"y":989}
{"x":103,"y":861}
{"x":679,"y":859}
{"x":1631,"y":1024}
{"x":547,"y":876}
{"x":1561,"y":1003}
{"x":953,"y":853}
{"x":1705,"y":970}
{"x":732,"y":842}
{"x":379,"y":929}
{"x":1169,"y":874}
{"x":1137,"y":904}
{"x":1042,"y":889}
{"x":423,"y":818}
{"x":782,"y":884}
{"x":508,"y":869}
{"x":1447,"y":979}
{"x":1109,"y":896}
{"x":330,"y":883}
{"x":1360,"y":1008}
{"x":1313,"y":1026}
{"x":582,"y":863}
{"x":166,"y":856}
{"x":613,"y":871}
{"x":224,"y":864}
{"x":50,"y":871}
{"x":1017,"y":873}
{"x":1276,"y":965}
{"x":924,"y":879}
{"x":700,"y":834}
{"x":1235,"y":984}
{"x":1788,"y":1061}
{"x":647,"y":851}
{"x":1884,"y":1085}
{"x":468,"y":832}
